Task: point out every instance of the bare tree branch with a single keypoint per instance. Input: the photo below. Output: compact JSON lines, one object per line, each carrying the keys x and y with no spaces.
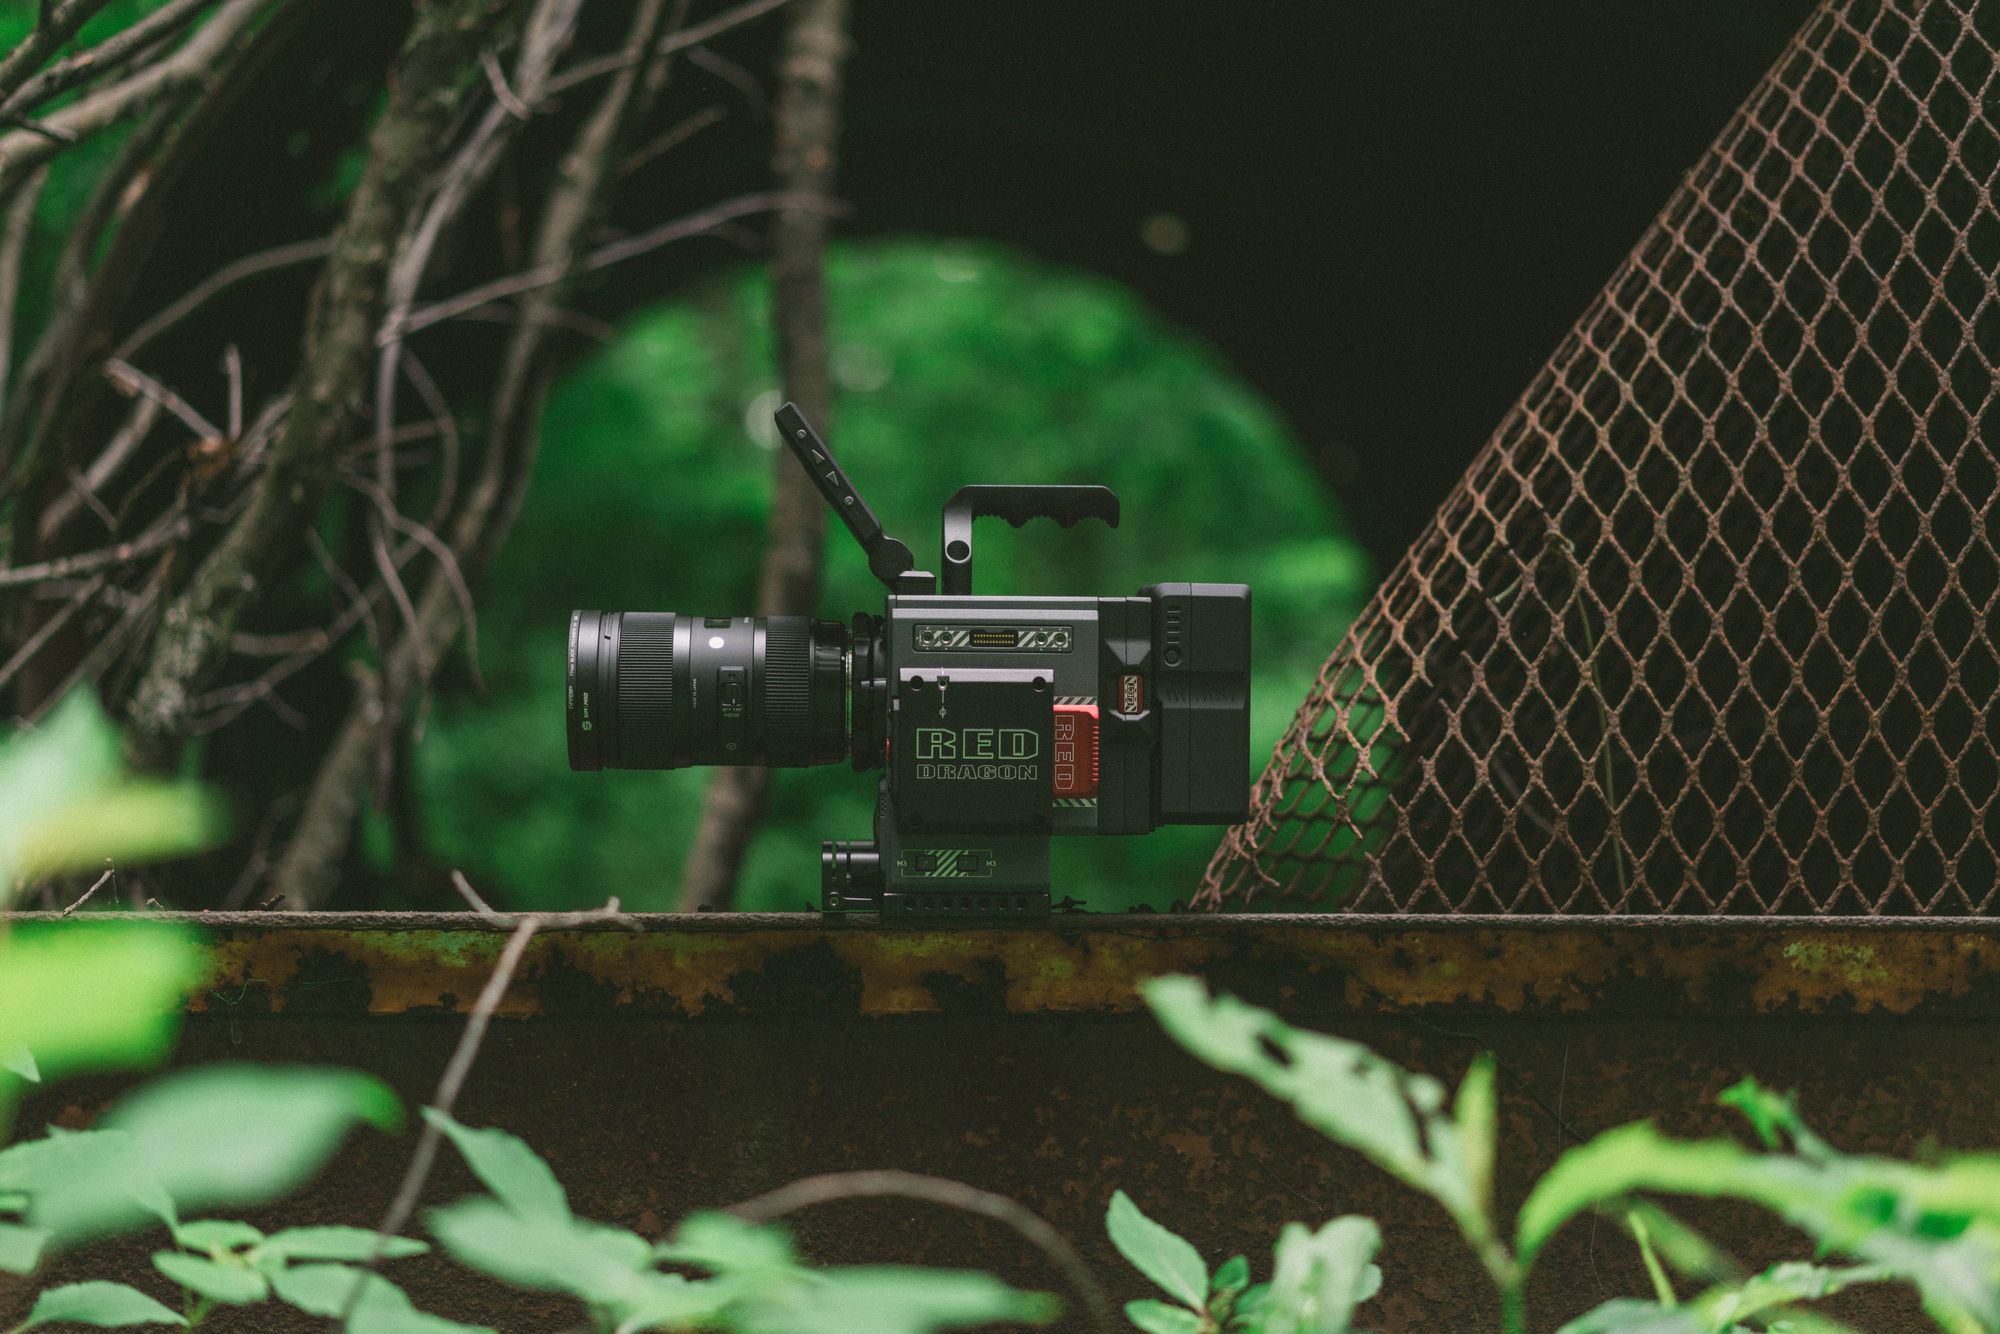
{"x":807,"y":131}
{"x":430,"y":83}
{"x":13,"y":245}
{"x":193,"y":62}
{"x":47,"y":630}
{"x":1031,"y":1226}
{"x":307,"y":869}
{"x":106,"y":56}
{"x":58,"y":24}
{"x":681,"y":229}
{"x":675,"y":136}
{"x":452,"y":1082}
{"x":169,"y":528}
{"x":680,"y":40}
{"x":298,"y":252}
{"x":131,"y":380}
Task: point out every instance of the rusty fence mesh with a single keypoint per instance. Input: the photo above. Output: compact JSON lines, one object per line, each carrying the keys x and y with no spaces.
{"x":1709,"y":626}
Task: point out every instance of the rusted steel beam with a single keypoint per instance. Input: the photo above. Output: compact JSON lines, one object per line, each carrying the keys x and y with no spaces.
{"x":690,"y":966}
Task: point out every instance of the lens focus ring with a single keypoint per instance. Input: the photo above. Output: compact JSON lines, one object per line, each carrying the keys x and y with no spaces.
{"x":646,"y":690}
{"x":787,"y":701}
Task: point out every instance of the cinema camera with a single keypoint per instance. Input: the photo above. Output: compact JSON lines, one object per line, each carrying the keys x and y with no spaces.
{"x":998,"y":721}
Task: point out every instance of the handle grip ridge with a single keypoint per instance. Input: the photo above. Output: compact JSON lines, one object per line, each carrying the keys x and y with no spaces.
{"x":1067,"y":505}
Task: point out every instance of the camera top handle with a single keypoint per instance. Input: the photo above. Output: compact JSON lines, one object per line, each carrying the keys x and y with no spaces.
{"x":1067,"y":505}
{"x":888,"y":558}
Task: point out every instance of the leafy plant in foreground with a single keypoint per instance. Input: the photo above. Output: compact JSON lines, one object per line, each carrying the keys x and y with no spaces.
{"x":1935,"y":1226}
{"x":525,"y":1234}
{"x":106,"y":999}
{"x":215,"y":1137}
{"x":1318,"y":1278}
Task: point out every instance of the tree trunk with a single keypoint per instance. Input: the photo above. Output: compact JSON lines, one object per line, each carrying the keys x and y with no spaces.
{"x":429,"y":86}
{"x":308,"y":871}
{"x":804,"y":159}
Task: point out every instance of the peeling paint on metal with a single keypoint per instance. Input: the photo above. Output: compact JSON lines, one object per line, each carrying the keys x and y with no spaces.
{"x":1079,"y":965}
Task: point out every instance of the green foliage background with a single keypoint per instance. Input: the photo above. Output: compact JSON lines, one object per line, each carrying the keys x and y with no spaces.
{"x":954,"y":362}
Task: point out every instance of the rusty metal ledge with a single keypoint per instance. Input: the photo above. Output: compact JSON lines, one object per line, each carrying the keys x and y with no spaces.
{"x":722,"y":965}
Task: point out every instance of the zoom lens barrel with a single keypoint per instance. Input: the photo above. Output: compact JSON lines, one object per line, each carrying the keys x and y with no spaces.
{"x":658,"y":690}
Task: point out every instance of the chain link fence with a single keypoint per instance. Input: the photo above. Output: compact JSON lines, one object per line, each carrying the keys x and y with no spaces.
{"x":1709,"y":626}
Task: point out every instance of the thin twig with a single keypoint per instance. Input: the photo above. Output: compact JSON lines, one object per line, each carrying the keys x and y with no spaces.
{"x":461,"y":591}
{"x":1032,"y":1227}
{"x":106,"y":56}
{"x":678,"y":41}
{"x":195,"y":60}
{"x":496,"y":78}
{"x":278,"y":257}
{"x":108,"y":646}
{"x":58,"y":23}
{"x":554,"y":317}
{"x":80,"y":488}
{"x":742,"y":80}
{"x":232,"y":371}
{"x":679,"y":134}
{"x":47,"y":630}
{"x":83,"y":898}
{"x":14,"y":245}
{"x":681,"y":229}
{"x":131,"y":380}
{"x":171,"y":527}
{"x":460,"y":1065}
{"x":447,"y":428}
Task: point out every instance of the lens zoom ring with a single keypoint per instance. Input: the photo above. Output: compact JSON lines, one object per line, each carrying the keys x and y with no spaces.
{"x":787,"y":689}
{"x":646,"y":690}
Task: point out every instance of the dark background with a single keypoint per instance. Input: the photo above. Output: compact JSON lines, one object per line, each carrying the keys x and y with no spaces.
{"x":1395,"y":210}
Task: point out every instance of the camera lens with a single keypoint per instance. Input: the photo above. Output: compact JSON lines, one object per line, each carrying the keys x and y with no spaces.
{"x":658,"y":690}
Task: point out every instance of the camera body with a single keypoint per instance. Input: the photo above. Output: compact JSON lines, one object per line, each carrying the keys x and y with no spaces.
{"x":997,"y":722}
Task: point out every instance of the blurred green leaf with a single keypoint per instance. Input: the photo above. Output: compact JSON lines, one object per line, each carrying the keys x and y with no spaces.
{"x":1476,"y":1115}
{"x":1628,"y":1315}
{"x":21,"y":1247}
{"x":224,"y":1135}
{"x":725,"y":1244}
{"x":1937,"y":1226}
{"x":1396,"y":1119}
{"x":887,"y":1300}
{"x":212,"y":1137}
{"x":22,"y":1064}
{"x":1637,"y":1157}
{"x":336,"y":1243}
{"x":515,"y":1173}
{"x":1156,"y":1317}
{"x":95,"y":995}
{"x":220,"y":1234}
{"x":591,"y":1262}
{"x":1161,"y":1254}
{"x":83,"y":1184}
{"x":1775,"y":1117}
{"x":64,"y":805}
{"x":105,"y":1305}
{"x":1318,"y":1278}
{"x":323,"y":1290}
{"x":217,"y":1280}
{"x":139,"y":820}
{"x":1232,"y":1275}
{"x":1781,"y":1285}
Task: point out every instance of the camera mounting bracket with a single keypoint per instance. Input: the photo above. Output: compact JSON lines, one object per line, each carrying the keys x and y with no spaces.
{"x":888,"y":558}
